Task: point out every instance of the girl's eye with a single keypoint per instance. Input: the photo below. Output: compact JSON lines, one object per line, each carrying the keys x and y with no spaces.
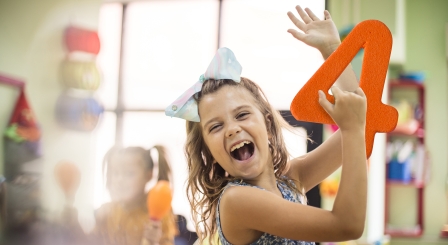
{"x":242,"y":115}
{"x":213,"y":127}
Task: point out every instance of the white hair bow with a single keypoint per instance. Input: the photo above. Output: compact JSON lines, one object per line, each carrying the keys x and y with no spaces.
{"x":223,"y":66}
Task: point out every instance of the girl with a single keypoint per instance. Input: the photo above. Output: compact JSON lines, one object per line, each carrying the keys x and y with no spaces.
{"x":240,"y":182}
{"x":125,"y":219}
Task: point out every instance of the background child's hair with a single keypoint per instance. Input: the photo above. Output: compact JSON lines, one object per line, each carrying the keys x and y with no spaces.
{"x":207,"y":180}
{"x":163,"y":165}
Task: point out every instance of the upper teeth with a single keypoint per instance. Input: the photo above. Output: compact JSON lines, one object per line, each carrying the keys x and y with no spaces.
{"x":237,"y":146}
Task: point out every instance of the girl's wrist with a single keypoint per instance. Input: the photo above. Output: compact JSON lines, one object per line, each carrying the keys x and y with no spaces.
{"x":353,"y":132}
{"x":328,"y":50}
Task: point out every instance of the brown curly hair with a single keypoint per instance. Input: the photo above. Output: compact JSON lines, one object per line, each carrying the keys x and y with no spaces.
{"x":206,"y":180}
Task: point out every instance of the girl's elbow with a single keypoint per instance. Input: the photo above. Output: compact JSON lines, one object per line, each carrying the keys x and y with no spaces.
{"x":354,"y":231}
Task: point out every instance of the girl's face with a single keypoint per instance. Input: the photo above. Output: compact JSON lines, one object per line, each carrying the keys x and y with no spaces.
{"x":235,"y":131}
{"x":128,"y":177}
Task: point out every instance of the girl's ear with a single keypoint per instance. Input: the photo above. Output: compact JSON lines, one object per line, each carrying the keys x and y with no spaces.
{"x":268,"y":119}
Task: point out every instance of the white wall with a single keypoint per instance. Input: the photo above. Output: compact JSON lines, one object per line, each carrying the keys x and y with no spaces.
{"x":31,"y":48}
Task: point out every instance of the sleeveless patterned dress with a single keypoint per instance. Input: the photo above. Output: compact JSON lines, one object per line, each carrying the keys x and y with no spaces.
{"x":265,"y":239}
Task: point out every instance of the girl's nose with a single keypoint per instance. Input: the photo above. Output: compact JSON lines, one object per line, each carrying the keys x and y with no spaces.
{"x":233,"y":130}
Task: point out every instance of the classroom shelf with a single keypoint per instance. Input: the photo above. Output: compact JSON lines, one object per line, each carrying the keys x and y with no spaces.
{"x":404,"y":232}
{"x":419,"y":135}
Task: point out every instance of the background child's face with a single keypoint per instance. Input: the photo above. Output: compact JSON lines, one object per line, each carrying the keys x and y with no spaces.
{"x":128,"y":177}
{"x":230,"y":118}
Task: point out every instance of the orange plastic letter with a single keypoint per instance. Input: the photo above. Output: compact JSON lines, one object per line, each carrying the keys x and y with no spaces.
{"x":375,"y":38}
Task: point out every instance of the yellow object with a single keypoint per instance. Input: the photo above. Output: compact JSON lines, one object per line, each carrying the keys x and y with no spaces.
{"x":215,"y":240}
{"x":116,"y":225}
{"x":405,"y":112}
{"x":329,"y":187}
{"x":80,"y":74}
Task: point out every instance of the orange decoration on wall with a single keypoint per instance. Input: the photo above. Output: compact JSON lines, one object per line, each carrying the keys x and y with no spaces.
{"x":68,"y":177}
{"x":159,"y":200}
{"x":376,"y":39}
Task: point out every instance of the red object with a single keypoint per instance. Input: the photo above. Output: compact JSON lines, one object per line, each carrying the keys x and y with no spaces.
{"x":376,"y":39}
{"x":419,"y":135}
{"x":78,"y":39}
{"x":159,"y":200}
{"x":334,"y":127}
{"x":68,"y":177}
{"x":22,"y":114}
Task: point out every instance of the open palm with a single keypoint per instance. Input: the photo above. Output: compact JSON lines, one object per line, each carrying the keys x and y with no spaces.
{"x":320,"y":34}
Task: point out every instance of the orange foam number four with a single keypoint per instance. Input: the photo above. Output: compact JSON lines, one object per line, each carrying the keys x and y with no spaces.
{"x":375,"y":38}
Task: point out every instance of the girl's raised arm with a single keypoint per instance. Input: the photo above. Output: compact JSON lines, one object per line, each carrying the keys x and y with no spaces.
{"x":323,"y":35}
{"x":247,"y":212}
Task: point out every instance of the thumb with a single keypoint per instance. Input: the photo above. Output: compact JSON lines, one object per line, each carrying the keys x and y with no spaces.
{"x":298,"y":35}
{"x":328,"y":107}
{"x":327,"y":15}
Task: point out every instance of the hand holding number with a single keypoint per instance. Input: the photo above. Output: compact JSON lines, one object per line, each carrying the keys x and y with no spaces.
{"x":349,"y":109}
{"x":320,"y":34}
{"x":153,"y":232}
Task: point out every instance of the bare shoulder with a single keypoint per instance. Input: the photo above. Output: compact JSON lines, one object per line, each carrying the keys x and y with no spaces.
{"x":238,"y":196}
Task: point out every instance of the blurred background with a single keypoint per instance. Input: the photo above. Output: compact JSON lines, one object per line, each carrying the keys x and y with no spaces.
{"x":78,"y":77}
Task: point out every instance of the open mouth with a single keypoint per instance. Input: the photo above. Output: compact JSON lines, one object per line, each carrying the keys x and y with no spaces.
{"x":242,"y":151}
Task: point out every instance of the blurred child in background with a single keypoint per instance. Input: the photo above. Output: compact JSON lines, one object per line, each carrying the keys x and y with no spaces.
{"x":125,"y":220}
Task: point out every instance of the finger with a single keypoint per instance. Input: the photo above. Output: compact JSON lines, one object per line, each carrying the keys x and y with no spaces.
{"x":296,"y":21}
{"x":303,"y":15}
{"x":327,"y":15}
{"x":328,"y":107}
{"x":311,"y":14}
{"x":297,"y":34}
{"x":360,"y":92}
{"x":336,"y":91}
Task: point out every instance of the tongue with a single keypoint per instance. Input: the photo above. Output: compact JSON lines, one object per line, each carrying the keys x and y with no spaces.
{"x":243,"y":153}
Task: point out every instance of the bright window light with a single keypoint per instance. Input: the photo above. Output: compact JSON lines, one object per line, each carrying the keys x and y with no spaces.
{"x":167,"y":45}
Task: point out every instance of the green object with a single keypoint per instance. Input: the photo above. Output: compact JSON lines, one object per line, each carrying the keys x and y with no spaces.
{"x":11,"y":133}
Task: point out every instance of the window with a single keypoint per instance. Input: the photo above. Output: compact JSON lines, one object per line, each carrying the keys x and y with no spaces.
{"x":152,"y":51}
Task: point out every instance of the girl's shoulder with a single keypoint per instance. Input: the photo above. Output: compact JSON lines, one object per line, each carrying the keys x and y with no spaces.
{"x":104,"y":210}
{"x":286,"y":185}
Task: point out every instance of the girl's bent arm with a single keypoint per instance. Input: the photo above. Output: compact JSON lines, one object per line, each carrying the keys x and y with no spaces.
{"x":245,"y":210}
{"x":317,"y":165}
{"x":323,"y":35}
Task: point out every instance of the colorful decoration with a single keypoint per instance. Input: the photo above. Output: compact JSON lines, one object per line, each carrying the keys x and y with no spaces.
{"x":78,"y":113}
{"x":159,"y":200}
{"x":78,"y":110}
{"x":68,"y":177}
{"x":22,"y":138}
{"x":376,"y":39}
{"x":80,"y":74}
{"x":79,"y":39}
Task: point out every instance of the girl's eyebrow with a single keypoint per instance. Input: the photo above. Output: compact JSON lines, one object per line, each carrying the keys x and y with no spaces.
{"x":241,"y":107}
{"x":209,"y":121}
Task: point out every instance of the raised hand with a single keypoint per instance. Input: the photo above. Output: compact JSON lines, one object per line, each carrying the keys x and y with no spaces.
{"x":349,"y":109}
{"x":320,"y":34}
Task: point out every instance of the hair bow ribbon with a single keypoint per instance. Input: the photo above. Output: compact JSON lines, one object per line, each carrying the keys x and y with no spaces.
{"x":223,"y":66}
